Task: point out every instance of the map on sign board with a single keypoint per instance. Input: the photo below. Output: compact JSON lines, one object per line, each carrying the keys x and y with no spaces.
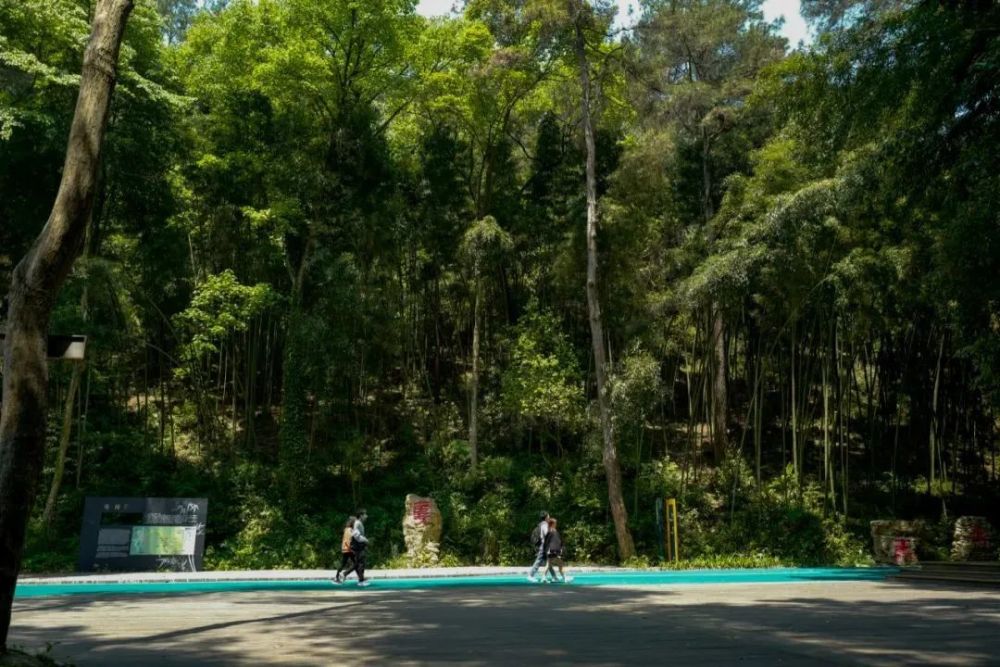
{"x":162,"y":541}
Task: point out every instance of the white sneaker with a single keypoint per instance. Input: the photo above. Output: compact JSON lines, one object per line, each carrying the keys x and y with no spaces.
{"x":363,"y":583}
{"x":532,"y":580}
{"x":566,"y":580}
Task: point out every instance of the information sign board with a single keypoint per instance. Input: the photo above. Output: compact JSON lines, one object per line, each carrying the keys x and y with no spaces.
{"x":142,"y":534}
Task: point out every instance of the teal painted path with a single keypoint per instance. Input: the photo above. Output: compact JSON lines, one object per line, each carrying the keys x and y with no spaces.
{"x":629,"y":578}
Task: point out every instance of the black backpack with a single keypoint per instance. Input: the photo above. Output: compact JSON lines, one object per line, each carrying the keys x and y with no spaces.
{"x":536,"y":536}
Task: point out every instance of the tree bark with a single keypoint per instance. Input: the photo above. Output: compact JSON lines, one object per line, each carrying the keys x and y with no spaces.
{"x":758,"y":412}
{"x":612,"y":469}
{"x":720,"y":391}
{"x":795,"y":424}
{"x":474,"y":398}
{"x":720,"y":404}
{"x":828,"y":486}
{"x":293,"y":438}
{"x":935,"y":421}
{"x":34,"y":287}
{"x":64,"y":436}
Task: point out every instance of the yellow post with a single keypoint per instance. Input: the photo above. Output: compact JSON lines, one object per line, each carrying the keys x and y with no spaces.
{"x":667,"y":530}
{"x":674,"y":552}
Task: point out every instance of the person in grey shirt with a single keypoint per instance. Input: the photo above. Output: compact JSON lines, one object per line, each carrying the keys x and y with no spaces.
{"x":538,"y":539}
{"x":359,"y":544}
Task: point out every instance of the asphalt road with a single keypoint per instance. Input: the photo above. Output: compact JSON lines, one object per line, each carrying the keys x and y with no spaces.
{"x":842,"y":623}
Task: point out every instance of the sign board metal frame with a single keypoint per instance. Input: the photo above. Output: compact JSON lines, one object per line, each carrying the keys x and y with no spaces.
{"x":117,"y":533}
{"x":63,"y":348}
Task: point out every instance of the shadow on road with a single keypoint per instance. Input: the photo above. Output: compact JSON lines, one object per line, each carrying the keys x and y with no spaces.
{"x":721,"y":625}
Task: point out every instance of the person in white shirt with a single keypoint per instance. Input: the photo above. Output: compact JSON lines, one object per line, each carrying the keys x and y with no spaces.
{"x":359,"y":544}
{"x":538,"y":541}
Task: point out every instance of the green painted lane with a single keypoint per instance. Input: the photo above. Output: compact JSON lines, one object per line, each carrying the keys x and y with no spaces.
{"x":642,"y":578}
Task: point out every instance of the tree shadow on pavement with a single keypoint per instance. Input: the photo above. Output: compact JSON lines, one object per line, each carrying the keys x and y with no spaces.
{"x":518,"y":625}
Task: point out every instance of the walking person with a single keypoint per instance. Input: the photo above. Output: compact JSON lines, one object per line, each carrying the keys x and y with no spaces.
{"x":538,"y":541}
{"x":346,"y":553}
{"x":553,"y":548}
{"x":359,"y":544}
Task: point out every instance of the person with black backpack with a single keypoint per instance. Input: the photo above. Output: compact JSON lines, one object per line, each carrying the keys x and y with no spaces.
{"x":538,"y":541}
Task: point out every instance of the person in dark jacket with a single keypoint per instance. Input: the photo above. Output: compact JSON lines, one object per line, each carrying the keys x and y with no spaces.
{"x":553,"y":548}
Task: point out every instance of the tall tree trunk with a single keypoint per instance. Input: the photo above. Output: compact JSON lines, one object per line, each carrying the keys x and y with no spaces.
{"x":934,"y":420}
{"x":720,"y":404}
{"x":758,"y":392}
{"x":612,"y":469}
{"x":829,"y":489}
{"x":720,"y":360}
{"x":474,"y":397}
{"x":82,"y":427}
{"x":34,"y":287}
{"x":64,"y":436}
{"x":293,"y":437}
{"x":794,"y":409}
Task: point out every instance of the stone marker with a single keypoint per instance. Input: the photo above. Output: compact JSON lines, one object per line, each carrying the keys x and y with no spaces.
{"x":973,"y":539}
{"x":422,"y":530}
{"x":896,"y":541}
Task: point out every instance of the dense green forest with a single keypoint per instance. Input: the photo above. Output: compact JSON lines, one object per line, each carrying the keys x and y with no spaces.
{"x":339,"y":254}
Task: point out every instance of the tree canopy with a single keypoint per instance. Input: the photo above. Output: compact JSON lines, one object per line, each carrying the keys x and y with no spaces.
{"x":339,"y":254}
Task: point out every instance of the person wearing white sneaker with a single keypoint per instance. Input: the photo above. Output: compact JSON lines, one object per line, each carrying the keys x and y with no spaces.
{"x":553,"y":548}
{"x":538,"y":541}
{"x":359,"y":544}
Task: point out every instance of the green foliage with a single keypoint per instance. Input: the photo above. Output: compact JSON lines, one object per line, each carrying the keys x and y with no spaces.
{"x":484,"y":240}
{"x":542,"y":382}
{"x":220,"y":306}
{"x":270,"y":539}
{"x":728,"y":561}
{"x":308,"y":208}
{"x":48,"y":550}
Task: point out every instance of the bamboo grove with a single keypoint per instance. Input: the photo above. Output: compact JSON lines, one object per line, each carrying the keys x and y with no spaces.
{"x":339,"y":253}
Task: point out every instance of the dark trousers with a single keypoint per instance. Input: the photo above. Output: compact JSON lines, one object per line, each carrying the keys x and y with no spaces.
{"x":346,"y":558}
{"x":359,"y":564}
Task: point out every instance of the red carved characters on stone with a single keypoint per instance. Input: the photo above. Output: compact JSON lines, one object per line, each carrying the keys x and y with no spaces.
{"x":903,"y":551}
{"x":421,"y":511}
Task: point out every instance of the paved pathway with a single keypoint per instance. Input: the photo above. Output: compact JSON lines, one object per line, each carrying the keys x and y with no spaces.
{"x":292,"y":575}
{"x":842,"y":623}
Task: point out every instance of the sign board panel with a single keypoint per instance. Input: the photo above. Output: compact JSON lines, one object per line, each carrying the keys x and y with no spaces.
{"x":142,"y":534}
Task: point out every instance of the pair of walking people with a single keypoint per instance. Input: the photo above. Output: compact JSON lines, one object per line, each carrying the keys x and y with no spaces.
{"x":547,"y":539}
{"x":353,"y":545}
